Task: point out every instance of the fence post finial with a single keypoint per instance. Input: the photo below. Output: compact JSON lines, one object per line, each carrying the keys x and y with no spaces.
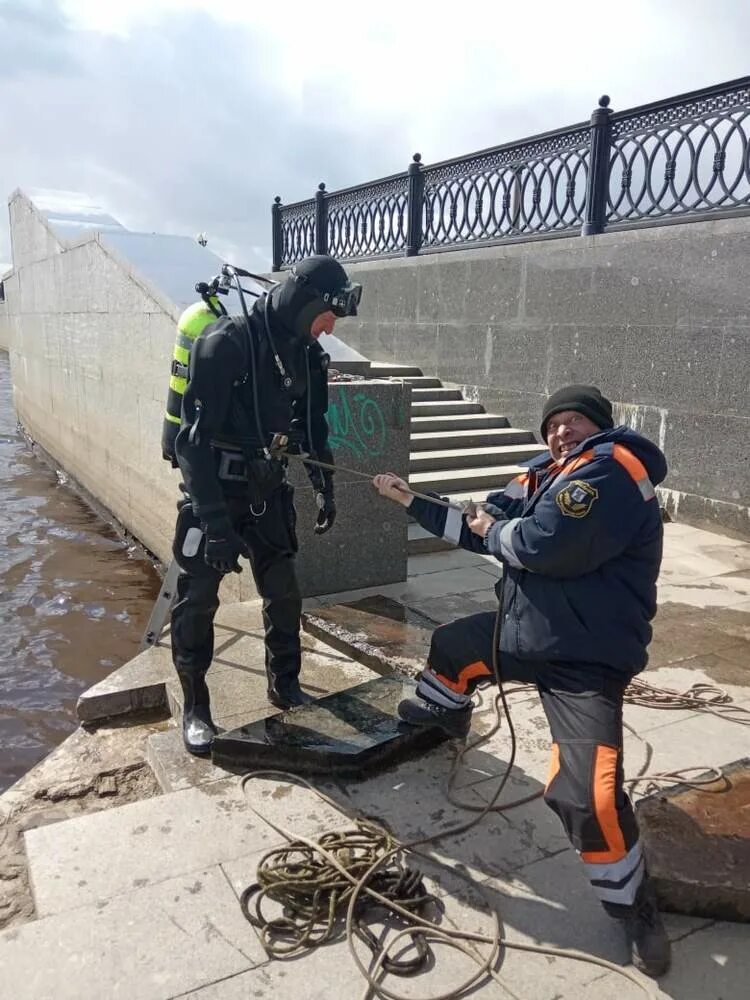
{"x":276,"y":235}
{"x":321,"y":219}
{"x":597,"y":182}
{"x":414,"y":205}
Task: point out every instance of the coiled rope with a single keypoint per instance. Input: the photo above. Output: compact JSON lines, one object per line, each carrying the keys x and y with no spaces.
{"x":314,"y":881}
{"x":349,"y":875}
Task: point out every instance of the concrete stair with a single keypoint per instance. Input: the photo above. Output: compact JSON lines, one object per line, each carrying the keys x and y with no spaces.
{"x":460,"y":458}
{"x":457,"y":449}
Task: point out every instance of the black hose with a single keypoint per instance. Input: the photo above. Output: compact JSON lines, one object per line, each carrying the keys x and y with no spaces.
{"x":254,"y":364}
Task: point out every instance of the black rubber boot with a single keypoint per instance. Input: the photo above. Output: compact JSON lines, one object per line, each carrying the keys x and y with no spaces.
{"x":285,"y":692}
{"x":650,"y":949}
{"x":455,"y":722}
{"x":198,"y":728}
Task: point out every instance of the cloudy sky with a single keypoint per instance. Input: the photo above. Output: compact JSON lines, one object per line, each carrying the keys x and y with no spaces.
{"x":183,"y":116}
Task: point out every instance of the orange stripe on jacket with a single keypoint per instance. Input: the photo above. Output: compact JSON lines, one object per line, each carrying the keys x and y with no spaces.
{"x":632,"y":465}
{"x":605,"y":783}
{"x":577,"y":463}
{"x":476,"y":669}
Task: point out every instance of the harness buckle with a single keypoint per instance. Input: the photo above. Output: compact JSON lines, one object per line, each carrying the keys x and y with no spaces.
{"x":232,"y":466}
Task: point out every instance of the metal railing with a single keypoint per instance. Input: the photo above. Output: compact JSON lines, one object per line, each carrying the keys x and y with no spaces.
{"x":684,"y":158}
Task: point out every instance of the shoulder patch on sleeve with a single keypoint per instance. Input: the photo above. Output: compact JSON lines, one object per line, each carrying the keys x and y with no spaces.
{"x":577,"y":498}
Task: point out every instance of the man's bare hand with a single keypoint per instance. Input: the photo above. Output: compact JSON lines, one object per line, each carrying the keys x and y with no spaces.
{"x":481,"y":523}
{"x":389,"y":485}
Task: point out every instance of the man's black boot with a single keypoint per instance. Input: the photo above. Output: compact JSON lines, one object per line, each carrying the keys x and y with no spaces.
{"x":198,"y":728}
{"x":284,"y":691}
{"x":455,"y":722}
{"x":650,"y":949}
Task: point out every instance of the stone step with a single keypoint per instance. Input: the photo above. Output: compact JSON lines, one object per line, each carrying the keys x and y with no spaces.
{"x":474,"y":458}
{"x":476,"y":495}
{"x":153,"y":942}
{"x":422,"y":382}
{"x":447,"y":481}
{"x":420,"y":542}
{"x":441,"y":408}
{"x":455,"y":421}
{"x":98,"y":856}
{"x":382,"y":369}
{"x":432,"y":395}
{"x":479,"y":437}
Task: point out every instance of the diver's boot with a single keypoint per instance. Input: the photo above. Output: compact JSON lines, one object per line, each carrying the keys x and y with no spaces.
{"x":650,"y":950}
{"x":284,"y":691}
{"x":198,"y":729}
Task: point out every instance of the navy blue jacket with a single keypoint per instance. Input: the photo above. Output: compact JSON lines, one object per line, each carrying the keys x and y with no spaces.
{"x":581,"y":546}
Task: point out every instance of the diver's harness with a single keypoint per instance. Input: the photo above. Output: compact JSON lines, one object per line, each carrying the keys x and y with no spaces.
{"x":261,"y":467}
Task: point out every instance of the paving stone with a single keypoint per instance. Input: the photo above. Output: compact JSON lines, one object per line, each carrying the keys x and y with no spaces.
{"x":241,"y":615}
{"x":700,"y":742}
{"x":136,"y":686}
{"x":411,"y":801}
{"x":152,"y":943}
{"x":698,"y":843}
{"x":699,"y":594}
{"x":686,"y":567}
{"x":709,"y":964}
{"x":351,"y":732}
{"x":239,"y":987}
{"x":176,"y":769}
{"x":377,"y":631}
{"x":680,"y":634}
{"x":436,"y":562}
{"x":453,"y":606}
{"x":330,"y":972}
{"x":150,"y":841}
{"x":471,"y":581}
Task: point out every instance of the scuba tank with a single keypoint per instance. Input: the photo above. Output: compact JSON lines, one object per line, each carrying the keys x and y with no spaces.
{"x":191,"y":324}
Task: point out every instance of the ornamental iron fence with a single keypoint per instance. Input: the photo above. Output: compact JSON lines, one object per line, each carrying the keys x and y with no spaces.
{"x":685,"y":158}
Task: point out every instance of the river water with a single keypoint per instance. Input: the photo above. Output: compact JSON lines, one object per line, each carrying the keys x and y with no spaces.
{"x":74,"y":599}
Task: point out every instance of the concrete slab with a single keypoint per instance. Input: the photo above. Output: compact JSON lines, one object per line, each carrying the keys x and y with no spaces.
{"x":137,"y":686}
{"x":452,"y":606}
{"x":698,"y":844}
{"x":709,"y":964}
{"x":699,"y":594}
{"x":174,"y":768}
{"x":240,"y":688}
{"x":412,"y":802}
{"x":700,"y":742}
{"x":550,"y":903}
{"x":435,"y":562}
{"x":152,"y":943}
{"x":378,"y":631}
{"x":330,"y":971}
{"x":680,"y":633}
{"x":351,"y":732}
{"x":149,"y":842}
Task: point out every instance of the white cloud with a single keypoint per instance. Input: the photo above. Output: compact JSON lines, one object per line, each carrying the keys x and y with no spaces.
{"x":188,"y":115}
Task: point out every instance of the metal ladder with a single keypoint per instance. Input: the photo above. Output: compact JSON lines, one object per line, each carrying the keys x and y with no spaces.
{"x":158,"y":620}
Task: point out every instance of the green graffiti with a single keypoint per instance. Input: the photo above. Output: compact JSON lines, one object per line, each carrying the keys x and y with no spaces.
{"x":359,"y":427}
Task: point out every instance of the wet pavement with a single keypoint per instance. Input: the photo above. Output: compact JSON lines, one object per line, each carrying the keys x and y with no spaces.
{"x":161,"y":878}
{"x":74,"y":599}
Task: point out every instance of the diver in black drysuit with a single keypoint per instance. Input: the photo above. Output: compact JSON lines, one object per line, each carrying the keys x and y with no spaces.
{"x":251,"y":379}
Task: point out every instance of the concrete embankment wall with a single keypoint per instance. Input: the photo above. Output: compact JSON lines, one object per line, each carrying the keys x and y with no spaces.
{"x":4,"y":326}
{"x":91,"y":344}
{"x":659,"y":318}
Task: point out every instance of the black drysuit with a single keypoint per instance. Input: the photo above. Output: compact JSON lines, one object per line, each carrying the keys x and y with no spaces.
{"x":225,"y":474}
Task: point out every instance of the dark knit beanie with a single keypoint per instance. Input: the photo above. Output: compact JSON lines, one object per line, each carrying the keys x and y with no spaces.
{"x":585,"y":399}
